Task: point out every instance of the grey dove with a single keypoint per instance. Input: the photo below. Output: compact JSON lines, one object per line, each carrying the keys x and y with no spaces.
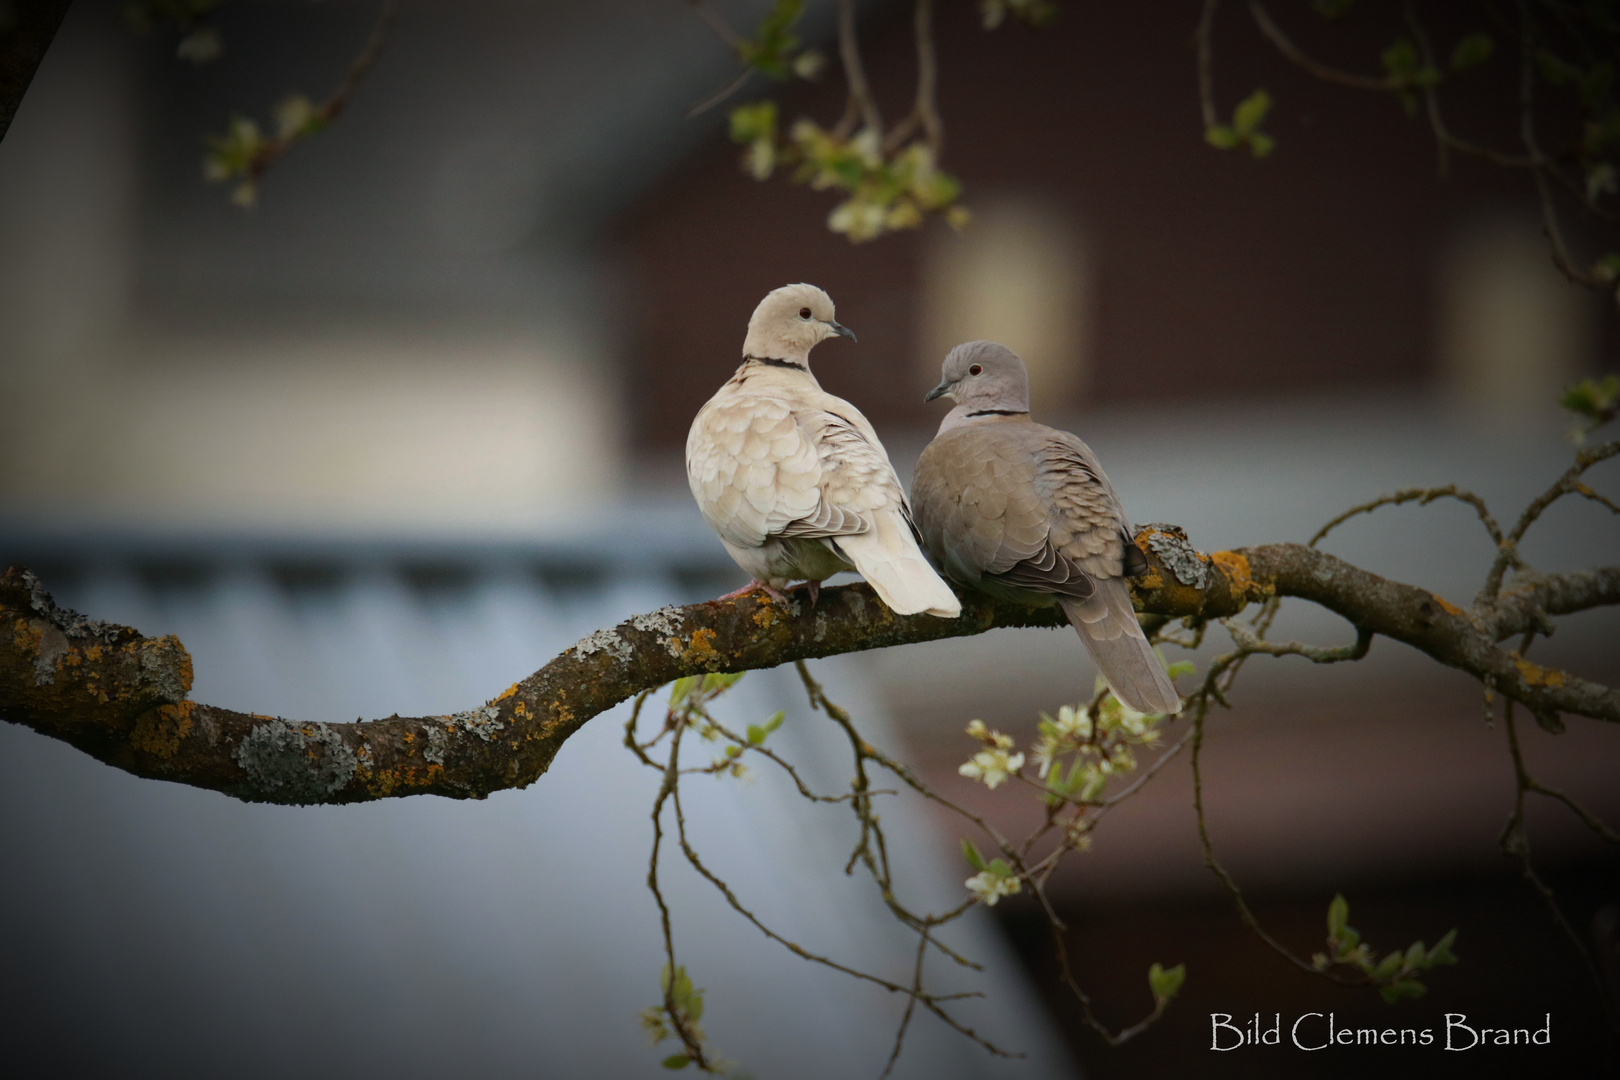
{"x":1024,"y":512}
{"x":794,"y":479}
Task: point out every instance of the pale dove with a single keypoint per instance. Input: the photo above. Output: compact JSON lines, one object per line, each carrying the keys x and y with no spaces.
{"x":794,"y":480}
{"x":1023,"y":512}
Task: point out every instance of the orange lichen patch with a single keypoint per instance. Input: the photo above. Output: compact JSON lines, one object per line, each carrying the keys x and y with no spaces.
{"x":1446,"y":605}
{"x":521,"y":709}
{"x":26,"y":636}
{"x":261,"y":716}
{"x":158,"y":731}
{"x":765,"y":616}
{"x":561,"y":717}
{"x":702,"y":649}
{"x":1536,"y":675}
{"x":508,"y":692}
{"x":387,"y":781}
{"x":1236,"y":568}
{"x":1150,"y":581}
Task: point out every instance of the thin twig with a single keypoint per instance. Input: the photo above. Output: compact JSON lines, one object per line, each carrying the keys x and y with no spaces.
{"x":1527,"y":132}
{"x":1286,"y":46}
{"x":1206,"y":64}
{"x":722,"y":29}
{"x":273,"y":149}
{"x":849,"y":51}
{"x":1424,"y":497}
{"x":1317,"y":654}
{"x":1515,"y":842}
{"x":1565,"y":485}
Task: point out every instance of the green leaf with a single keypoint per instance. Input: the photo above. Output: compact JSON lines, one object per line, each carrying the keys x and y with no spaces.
{"x":1390,"y":965}
{"x":1401,"y":59}
{"x":1414,"y":955}
{"x":717,"y":681}
{"x":1332,"y":10}
{"x":1261,"y":144}
{"x":676,"y":1061}
{"x":756,"y":734}
{"x":753,"y":121}
{"x":1472,"y":51}
{"x":733,"y":750}
{"x":1180,"y":668}
{"x":1403,"y":988}
{"x":999,"y":868}
{"x":1592,"y":398}
{"x":1166,"y":984}
{"x":1441,"y":953}
{"x":1338,"y":915}
{"x":1556,"y":71}
{"x":1250,"y":111}
{"x":1221,"y":137}
{"x":775,"y":721}
{"x":694,"y":1006}
{"x":679,"y":691}
{"x":971,"y":854}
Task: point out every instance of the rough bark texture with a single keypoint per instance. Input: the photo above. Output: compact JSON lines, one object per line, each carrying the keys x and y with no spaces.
{"x":32,"y":27}
{"x":121,"y":697}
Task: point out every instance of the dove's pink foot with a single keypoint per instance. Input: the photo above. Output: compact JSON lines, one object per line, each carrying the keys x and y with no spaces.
{"x":750,"y":587}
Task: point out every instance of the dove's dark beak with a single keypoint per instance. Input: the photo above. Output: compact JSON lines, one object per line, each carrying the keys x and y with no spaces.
{"x":939,"y":391}
{"x":841,"y":330}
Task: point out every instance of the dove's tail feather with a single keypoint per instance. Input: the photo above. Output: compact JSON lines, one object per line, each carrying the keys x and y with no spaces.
{"x":888,"y":558}
{"x":1107,"y":626}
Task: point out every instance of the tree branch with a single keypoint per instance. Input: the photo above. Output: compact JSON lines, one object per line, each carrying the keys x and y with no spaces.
{"x":122,"y":698}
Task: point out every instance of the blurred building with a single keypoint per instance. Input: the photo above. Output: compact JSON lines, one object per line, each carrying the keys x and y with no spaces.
{"x":361,"y":447}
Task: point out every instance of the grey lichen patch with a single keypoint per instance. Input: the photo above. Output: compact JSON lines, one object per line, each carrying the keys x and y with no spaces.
{"x":820,"y":631}
{"x":607,"y":641}
{"x":673,"y":646}
{"x":856,"y":602}
{"x":53,"y":645}
{"x":1177,"y":554}
{"x":484,"y":721}
{"x":69,"y":622}
{"x":163,"y":671}
{"x":666,"y":620}
{"x":437,"y":741}
{"x":296,"y":762}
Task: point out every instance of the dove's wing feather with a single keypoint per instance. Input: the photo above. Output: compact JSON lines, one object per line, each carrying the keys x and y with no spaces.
{"x":790,"y":462}
{"x":972,"y":502}
{"x":1017,"y":507}
{"x":858,"y":478}
{"x":751,"y":468}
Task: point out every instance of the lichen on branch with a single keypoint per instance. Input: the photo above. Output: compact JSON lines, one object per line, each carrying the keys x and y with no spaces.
{"x":121,"y":697}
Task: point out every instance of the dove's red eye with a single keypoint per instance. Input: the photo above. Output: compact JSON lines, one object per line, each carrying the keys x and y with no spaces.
{"x":975,"y":370}
{"x":804,"y":313}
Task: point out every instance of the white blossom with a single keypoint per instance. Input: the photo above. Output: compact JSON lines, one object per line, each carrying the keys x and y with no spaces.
{"x":989,"y":886}
{"x":991,"y":767}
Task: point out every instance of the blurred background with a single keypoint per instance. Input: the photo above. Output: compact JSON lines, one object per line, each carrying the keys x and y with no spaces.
{"x":396,"y":436}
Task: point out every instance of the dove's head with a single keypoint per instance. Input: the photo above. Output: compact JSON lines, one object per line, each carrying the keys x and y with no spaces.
{"x":982,"y":375}
{"x":789,"y":322}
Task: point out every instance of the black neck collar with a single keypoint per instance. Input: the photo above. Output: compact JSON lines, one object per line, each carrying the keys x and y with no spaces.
{"x":1000,"y":412}
{"x":771,"y":361}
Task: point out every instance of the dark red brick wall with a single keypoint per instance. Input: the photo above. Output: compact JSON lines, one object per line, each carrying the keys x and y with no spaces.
{"x":1217,"y":276}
